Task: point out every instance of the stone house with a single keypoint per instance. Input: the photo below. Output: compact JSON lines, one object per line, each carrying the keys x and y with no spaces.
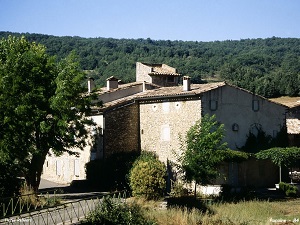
{"x":154,"y":112}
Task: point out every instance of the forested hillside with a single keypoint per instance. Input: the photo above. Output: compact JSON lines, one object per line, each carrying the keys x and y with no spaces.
{"x":269,"y":67}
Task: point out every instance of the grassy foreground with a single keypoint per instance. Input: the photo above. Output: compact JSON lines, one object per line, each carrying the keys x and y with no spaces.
{"x":243,"y":212}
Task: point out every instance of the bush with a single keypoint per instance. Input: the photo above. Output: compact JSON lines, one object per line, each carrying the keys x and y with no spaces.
{"x":288,"y":189}
{"x":110,"y":173}
{"x":147,"y":177}
{"x":112,"y":211}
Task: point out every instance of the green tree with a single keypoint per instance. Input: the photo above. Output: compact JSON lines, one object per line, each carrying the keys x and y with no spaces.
{"x":204,"y":151}
{"x":287,"y":157}
{"x":42,"y":106}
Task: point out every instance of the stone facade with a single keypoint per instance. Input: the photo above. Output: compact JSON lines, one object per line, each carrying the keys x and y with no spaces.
{"x":159,"y":74}
{"x":121,"y":129}
{"x":66,"y":168}
{"x":163,"y":122}
{"x":241,"y":111}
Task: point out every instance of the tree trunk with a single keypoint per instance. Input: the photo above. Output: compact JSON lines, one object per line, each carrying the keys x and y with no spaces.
{"x":33,"y":176}
{"x":195,"y":190}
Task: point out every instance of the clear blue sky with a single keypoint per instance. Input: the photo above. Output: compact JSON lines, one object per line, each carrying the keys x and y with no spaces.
{"x":188,"y":20}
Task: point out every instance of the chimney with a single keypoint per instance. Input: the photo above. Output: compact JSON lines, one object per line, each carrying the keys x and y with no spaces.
{"x":111,"y":83}
{"x":91,"y":84}
{"x":186,"y":83}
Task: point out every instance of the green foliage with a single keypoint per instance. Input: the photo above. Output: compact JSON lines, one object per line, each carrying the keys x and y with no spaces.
{"x":269,"y":67}
{"x":288,"y":189}
{"x":42,"y":106}
{"x":112,"y":211}
{"x":111,"y":173}
{"x":281,"y":156}
{"x":261,"y":140}
{"x":147,"y":177}
{"x":204,"y":151}
{"x":9,"y":182}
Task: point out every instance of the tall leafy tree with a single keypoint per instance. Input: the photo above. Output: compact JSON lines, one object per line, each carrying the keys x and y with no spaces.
{"x":204,"y":151}
{"x":42,"y":106}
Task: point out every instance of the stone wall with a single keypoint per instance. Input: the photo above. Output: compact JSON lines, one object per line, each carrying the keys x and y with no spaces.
{"x":241,"y":112}
{"x":142,"y":72}
{"x":66,"y":168}
{"x":121,"y":130}
{"x":163,"y":122}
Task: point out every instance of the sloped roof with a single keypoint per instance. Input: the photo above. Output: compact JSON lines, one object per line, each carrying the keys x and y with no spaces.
{"x":174,"y":91}
{"x":290,"y":102}
{"x":178,"y":90}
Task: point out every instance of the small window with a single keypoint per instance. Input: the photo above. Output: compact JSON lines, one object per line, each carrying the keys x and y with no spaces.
{"x":166,"y":107}
{"x":213,"y":105}
{"x":154,"y":107}
{"x":165,"y":133}
{"x":170,"y":79}
{"x":255,"y":105}
{"x":177,"y":105}
{"x":58,"y":167}
{"x":235,"y":127}
{"x":76,"y":168}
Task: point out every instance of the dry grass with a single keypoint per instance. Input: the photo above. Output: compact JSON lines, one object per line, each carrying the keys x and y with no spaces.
{"x":244,"y":212}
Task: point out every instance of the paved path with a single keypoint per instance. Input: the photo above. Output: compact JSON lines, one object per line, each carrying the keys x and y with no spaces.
{"x":45,"y":184}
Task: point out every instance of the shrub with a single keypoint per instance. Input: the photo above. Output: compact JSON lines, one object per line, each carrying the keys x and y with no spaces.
{"x":178,"y":190}
{"x":112,"y":211}
{"x":147,"y":177}
{"x":288,"y":189}
{"x":110,"y":173}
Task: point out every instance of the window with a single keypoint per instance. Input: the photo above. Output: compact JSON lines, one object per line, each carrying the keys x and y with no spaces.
{"x":255,"y":105}
{"x":165,"y":133}
{"x":213,"y":105}
{"x":154,"y":107}
{"x":177,"y":105}
{"x":166,"y":107}
{"x":235,"y":127}
{"x":58,"y":167}
{"x":76,"y":168}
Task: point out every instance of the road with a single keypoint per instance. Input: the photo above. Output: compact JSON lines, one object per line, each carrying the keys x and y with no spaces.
{"x":69,"y":213}
{"x":46,"y":184}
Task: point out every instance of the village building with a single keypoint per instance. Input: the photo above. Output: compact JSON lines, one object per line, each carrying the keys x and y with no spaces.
{"x":153,"y":113}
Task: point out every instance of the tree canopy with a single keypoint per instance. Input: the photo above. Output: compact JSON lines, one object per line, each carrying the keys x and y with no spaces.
{"x":269,"y":67}
{"x":42,"y":106}
{"x":281,"y":156}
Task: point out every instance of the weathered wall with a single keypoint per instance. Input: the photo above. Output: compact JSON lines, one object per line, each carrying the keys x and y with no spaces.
{"x":162,"y":123}
{"x":121,"y":130}
{"x":235,"y":107}
{"x":66,"y":168}
{"x":142,"y":72}
{"x":258,"y":173}
{"x":241,"y":112}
